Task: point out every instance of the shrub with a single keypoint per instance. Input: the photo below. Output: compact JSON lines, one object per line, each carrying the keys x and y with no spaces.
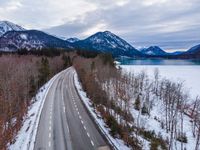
{"x":182,"y":138}
{"x":137,"y":103}
{"x":144,"y":110}
{"x":113,"y":125}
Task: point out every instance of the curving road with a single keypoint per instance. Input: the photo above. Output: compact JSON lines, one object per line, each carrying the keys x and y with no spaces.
{"x":64,"y":122}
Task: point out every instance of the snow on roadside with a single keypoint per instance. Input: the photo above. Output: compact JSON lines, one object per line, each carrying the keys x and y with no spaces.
{"x":26,"y":136}
{"x":118,"y":144}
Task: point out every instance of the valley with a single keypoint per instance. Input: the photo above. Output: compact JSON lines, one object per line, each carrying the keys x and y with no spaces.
{"x":99,"y":75}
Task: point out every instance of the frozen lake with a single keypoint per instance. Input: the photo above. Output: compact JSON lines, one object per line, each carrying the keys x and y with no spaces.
{"x":190,"y":74}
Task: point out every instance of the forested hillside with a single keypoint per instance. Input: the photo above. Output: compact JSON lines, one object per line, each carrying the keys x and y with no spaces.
{"x":145,"y":113}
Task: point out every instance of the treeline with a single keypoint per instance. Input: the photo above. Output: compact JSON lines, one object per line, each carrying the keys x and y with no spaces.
{"x":20,"y":78}
{"x":95,"y":74}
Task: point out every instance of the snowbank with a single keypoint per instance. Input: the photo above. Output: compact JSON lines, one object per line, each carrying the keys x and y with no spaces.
{"x":117,"y":143}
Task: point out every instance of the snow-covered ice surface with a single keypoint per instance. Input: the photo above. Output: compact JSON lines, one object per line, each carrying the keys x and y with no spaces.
{"x":25,"y":138}
{"x":189,"y":74}
{"x":119,"y":144}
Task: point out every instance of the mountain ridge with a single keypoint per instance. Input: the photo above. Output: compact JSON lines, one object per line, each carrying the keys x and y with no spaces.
{"x":108,"y":42}
{"x":14,"y":37}
{"x":6,"y":26}
{"x":153,"y":50}
{"x":30,"y":39}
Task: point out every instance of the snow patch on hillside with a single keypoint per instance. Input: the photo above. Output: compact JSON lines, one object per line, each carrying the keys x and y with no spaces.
{"x":6,"y":26}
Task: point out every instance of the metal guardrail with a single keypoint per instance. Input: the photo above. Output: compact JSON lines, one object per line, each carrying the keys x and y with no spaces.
{"x":103,"y":133}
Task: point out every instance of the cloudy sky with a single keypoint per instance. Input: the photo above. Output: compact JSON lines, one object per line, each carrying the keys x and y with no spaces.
{"x":171,"y":24}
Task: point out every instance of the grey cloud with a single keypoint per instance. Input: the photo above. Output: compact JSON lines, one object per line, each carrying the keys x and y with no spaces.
{"x":167,"y":22}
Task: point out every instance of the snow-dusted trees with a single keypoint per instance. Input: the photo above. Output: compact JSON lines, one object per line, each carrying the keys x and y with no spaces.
{"x":194,"y":113}
{"x":197,"y":133}
{"x":115,"y":93}
{"x":108,"y":87}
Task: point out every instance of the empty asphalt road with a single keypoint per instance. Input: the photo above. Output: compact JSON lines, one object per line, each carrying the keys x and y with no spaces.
{"x":64,"y":123}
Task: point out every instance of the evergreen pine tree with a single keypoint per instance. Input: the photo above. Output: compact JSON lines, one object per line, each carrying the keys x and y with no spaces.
{"x":137,"y":103}
{"x":44,"y":71}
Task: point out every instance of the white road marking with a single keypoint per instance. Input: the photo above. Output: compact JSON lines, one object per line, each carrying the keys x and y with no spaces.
{"x":49,"y":144}
{"x":68,"y":129}
{"x":88,"y":134}
{"x":80,"y":117}
{"x":49,"y":128}
{"x":82,"y":121}
{"x":64,"y":108}
{"x":84,"y":127}
{"x":78,"y":113}
{"x":50,"y":135}
{"x":92,"y":143}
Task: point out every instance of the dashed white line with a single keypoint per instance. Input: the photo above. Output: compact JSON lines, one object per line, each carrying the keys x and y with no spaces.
{"x":80,"y":117}
{"x":64,"y":108}
{"x":68,"y":129}
{"x":92,"y":143}
{"x":49,"y":144}
{"x":78,"y":113}
{"x":82,"y":121}
{"x":49,"y":128}
{"x":88,"y":134}
{"x":50,"y":135}
{"x":84,"y":127}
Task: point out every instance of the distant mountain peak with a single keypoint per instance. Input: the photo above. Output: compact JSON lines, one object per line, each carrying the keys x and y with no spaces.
{"x":30,"y":39}
{"x":153,"y":50}
{"x":109,"y":43}
{"x":6,"y":26}
{"x":72,"y":40}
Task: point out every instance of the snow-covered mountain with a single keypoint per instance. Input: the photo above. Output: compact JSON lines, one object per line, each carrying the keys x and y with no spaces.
{"x":154,"y":50}
{"x":108,"y":42}
{"x":6,"y":26}
{"x":30,"y":39}
{"x":193,"y":52}
{"x":177,"y":53}
{"x":14,"y":37}
{"x":72,"y":40}
{"x":194,"y":49}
